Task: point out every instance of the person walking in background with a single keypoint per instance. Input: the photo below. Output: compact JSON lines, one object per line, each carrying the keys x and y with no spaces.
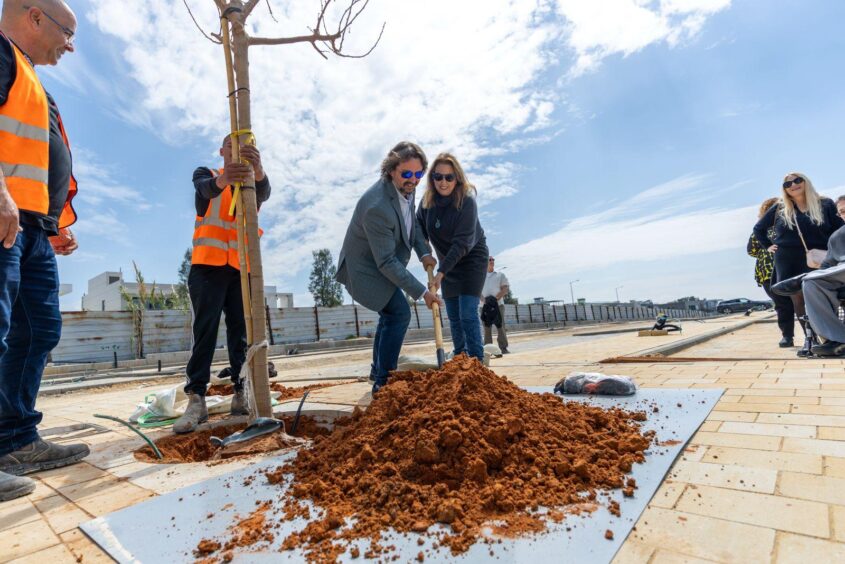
{"x":448,"y":217}
{"x":373,"y":262}
{"x":803,"y":221}
{"x":764,"y":275}
{"x":496,"y":287}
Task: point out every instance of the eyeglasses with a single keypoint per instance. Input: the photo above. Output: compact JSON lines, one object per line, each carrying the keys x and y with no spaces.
{"x":69,"y":33}
{"x":797,"y":181}
{"x":409,"y":174}
{"x":447,"y":177}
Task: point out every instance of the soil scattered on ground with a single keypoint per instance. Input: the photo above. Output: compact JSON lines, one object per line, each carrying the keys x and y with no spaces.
{"x":461,"y":447}
{"x":197,"y":447}
{"x":287,"y":392}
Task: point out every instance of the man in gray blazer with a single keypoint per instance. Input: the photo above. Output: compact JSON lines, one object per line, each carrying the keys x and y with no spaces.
{"x":821,"y":289}
{"x":376,"y":250}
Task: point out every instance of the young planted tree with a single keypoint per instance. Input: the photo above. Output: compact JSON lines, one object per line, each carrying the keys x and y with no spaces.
{"x":182,"y":299}
{"x":236,"y":42}
{"x":326,"y":290}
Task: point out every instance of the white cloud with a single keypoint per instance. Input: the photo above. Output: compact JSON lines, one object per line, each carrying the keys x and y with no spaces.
{"x":625,"y":234}
{"x":468,"y":77}
{"x":599,"y":29}
{"x":100,"y":184}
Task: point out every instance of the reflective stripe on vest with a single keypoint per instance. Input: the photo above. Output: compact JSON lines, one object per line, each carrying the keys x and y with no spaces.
{"x":25,"y":139}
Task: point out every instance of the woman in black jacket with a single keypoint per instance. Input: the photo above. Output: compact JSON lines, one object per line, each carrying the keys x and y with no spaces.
{"x":802,"y":221}
{"x":764,"y":275}
{"x":449,"y":219}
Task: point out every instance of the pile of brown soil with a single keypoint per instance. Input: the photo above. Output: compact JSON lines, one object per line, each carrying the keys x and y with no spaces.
{"x":287,"y":393}
{"x":459,"y":446}
{"x":197,"y":447}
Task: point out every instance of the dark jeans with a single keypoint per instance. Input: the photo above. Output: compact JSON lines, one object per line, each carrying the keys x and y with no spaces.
{"x":392,"y":325}
{"x":214,"y":290}
{"x":784,"y":309}
{"x":465,"y":325}
{"x":30,"y":326}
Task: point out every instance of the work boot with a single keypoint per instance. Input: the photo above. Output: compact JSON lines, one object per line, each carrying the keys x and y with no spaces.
{"x":239,"y":403}
{"x":195,"y":413}
{"x":12,"y":487}
{"x":42,"y":455}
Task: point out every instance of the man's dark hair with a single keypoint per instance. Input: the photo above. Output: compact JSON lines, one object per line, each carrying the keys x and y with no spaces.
{"x":402,"y":152}
{"x":840,"y":198}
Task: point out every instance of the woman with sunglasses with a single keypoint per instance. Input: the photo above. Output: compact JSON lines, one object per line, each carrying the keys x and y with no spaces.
{"x":449,"y":219}
{"x":802,"y":220}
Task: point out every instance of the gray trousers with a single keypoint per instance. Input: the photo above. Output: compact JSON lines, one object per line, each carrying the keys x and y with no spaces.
{"x":822,"y":303}
{"x":501,"y":334}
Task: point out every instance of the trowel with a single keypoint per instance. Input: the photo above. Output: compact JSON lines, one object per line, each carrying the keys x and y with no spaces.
{"x":261,"y":426}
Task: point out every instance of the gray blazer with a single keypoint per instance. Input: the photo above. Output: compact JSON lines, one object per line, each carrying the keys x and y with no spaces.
{"x":835,"y":249}
{"x":376,"y":250}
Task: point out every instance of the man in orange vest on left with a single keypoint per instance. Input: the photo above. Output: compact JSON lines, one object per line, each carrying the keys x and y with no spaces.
{"x":36,"y":189}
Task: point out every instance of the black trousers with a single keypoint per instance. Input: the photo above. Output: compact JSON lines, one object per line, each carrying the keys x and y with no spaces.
{"x":784,"y":309}
{"x":215,"y":290}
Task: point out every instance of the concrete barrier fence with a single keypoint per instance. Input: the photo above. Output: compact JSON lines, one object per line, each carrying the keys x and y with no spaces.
{"x":94,"y":336}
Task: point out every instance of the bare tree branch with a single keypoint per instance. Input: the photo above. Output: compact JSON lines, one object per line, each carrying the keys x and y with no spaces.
{"x":206,"y":35}
{"x":321,"y":39}
{"x":249,"y":7}
{"x":270,"y":9}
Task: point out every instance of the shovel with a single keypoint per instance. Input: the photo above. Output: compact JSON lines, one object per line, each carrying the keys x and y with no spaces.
{"x":435,"y":312}
{"x":261,"y":426}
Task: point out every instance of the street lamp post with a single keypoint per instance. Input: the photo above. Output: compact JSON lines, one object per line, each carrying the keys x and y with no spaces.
{"x":571,"y":291}
{"x":617,"y":293}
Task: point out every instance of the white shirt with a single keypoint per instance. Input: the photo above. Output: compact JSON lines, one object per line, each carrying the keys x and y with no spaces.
{"x":493,"y":285}
{"x":406,"y":206}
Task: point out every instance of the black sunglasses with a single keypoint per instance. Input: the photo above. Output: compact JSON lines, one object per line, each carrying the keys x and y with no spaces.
{"x":447,"y":177}
{"x":797,"y":181}
{"x":409,"y":174}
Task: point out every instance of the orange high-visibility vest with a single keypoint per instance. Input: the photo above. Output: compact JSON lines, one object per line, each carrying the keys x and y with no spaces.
{"x":216,"y":233}
{"x":25,"y":143}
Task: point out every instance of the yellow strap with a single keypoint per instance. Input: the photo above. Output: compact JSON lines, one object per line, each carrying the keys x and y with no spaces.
{"x":250,"y":141}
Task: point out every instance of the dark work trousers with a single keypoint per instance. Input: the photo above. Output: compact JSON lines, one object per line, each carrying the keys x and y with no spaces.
{"x":215,"y":290}
{"x":784,"y":309}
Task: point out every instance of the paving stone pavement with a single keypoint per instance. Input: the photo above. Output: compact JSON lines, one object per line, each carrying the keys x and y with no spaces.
{"x":763,"y":480}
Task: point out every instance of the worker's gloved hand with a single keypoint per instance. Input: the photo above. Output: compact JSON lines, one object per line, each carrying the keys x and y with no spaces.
{"x":64,"y":243}
{"x":252,"y":154}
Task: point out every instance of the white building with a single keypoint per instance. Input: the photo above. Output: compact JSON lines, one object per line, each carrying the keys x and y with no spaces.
{"x":104,"y":293}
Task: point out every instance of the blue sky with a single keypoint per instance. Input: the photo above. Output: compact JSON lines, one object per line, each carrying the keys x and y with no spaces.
{"x":620,"y":143}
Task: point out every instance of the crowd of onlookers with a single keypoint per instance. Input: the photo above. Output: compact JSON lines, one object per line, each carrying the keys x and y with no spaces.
{"x":799,"y":244}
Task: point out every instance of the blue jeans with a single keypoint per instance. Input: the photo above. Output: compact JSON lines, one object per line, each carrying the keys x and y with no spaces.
{"x":392,"y":325}
{"x":465,"y":325}
{"x":30,"y":326}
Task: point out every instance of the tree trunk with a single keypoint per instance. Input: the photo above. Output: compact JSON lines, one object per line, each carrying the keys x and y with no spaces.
{"x":260,"y":375}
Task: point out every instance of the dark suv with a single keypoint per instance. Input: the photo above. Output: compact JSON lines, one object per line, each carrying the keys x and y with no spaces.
{"x":742,"y":304}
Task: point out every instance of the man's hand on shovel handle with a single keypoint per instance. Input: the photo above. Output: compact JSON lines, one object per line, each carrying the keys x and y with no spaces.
{"x":431,"y":299}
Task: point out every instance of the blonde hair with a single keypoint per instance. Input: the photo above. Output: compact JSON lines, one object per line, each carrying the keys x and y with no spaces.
{"x":462,"y":188}
{"x":764,"y":207}
{"x":814,"y":202}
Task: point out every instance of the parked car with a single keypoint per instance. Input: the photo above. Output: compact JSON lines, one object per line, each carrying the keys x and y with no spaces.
{"x":742,"y":304}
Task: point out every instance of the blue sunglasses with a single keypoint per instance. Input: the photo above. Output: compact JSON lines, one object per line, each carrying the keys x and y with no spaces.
{"x":409,"y":174}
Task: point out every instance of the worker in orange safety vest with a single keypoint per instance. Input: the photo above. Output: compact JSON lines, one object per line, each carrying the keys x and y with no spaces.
{"x":214,"y":282}
{"x":36,"y":190}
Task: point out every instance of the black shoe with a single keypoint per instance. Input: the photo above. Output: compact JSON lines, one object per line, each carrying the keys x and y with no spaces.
{"x":829,"y":348}
{"x":786,"y":343}
{"x":506,"y":351}
{"x":789,"y":286}
{"x":42,"y":455}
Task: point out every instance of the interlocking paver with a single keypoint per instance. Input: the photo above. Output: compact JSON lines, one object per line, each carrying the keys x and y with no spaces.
{"x":726,"y":476}
{"x":805,"y":517}
{"x":805,"y":431}
{"x":797,"y":549}
{"x":26,"y":539}
{"x":794,"y":462}
{"x":814,"y":446}
{"x":808,"y":486}
{"x":739,"y":441}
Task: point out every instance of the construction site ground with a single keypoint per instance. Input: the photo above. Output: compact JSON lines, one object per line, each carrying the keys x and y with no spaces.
{"x":762,"y":480}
